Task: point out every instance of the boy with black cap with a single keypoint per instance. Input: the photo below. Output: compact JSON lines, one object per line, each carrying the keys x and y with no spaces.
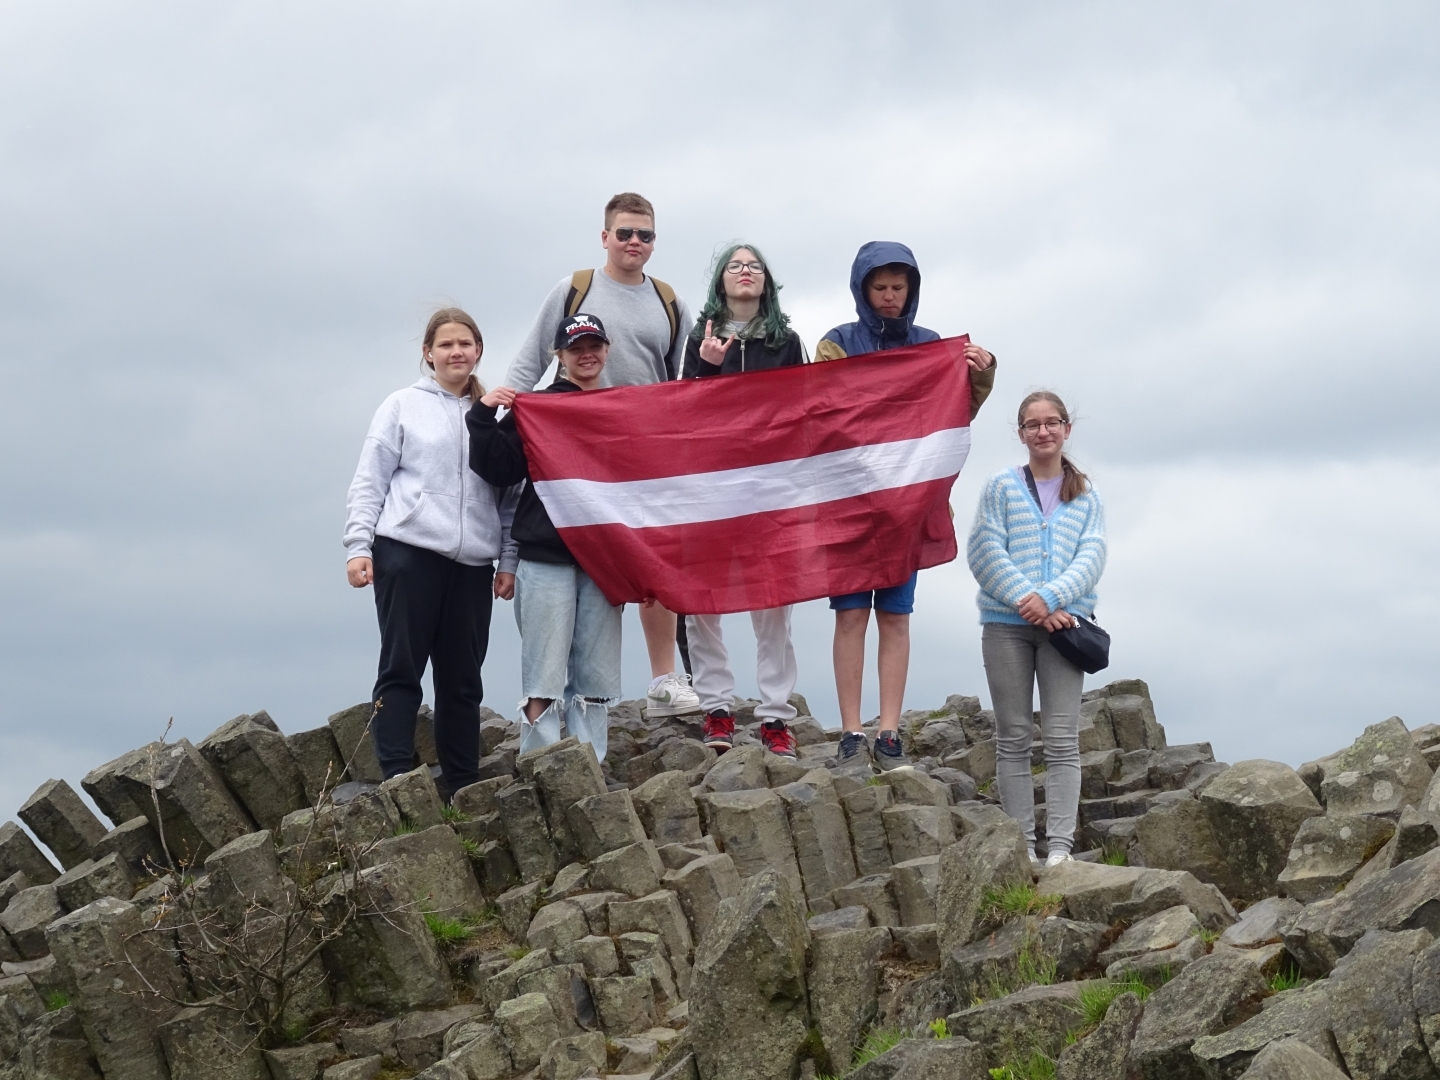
{"x":649,"y":325}
{"x":885,"y":281}
{"x":569,"y":632}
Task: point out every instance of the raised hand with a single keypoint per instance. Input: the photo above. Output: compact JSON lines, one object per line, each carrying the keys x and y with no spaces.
{"x":979,"y":359}
{"x":501,"y":396}
{"x":712,"y":348}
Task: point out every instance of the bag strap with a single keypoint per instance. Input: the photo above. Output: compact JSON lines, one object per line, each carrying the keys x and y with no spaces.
{"x":1034,"y":491}
{"x":580,"y":282}
{"x":672,"y":312}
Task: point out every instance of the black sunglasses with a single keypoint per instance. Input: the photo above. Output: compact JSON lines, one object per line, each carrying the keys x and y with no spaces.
{"x":647,"y":236}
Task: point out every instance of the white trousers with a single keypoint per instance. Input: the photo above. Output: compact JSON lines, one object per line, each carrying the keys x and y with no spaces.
{"x":775,"y":668}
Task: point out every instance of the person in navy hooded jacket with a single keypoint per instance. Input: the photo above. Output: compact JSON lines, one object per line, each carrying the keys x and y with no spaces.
{"x":885,"y":281}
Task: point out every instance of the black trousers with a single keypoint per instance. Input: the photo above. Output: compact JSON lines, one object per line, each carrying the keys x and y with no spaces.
{"x":437,"y":610}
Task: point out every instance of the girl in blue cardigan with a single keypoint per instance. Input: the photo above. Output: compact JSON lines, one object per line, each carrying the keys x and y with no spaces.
{"x":1037,"y":562}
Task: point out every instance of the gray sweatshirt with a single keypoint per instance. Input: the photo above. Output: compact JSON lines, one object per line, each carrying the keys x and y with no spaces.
{"x":414,"y":484}
{"x":635,"y":321}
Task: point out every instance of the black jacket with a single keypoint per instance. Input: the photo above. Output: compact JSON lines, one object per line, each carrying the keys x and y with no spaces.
{"x":743,"y":355}
{"x":497,"y":455}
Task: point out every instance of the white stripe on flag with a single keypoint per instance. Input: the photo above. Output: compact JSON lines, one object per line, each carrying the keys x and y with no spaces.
{"x":781,"y":485}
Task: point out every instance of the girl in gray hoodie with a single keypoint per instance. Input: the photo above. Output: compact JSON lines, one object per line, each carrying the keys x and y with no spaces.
{"x":426,"y":532}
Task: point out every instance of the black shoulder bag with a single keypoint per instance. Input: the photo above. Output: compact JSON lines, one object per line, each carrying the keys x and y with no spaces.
{"x":1086,"y":644}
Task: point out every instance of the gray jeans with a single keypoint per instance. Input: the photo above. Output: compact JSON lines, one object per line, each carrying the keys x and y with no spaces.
{"x":1016,"y":658}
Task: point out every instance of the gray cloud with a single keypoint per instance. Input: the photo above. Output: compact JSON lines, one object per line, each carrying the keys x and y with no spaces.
{"x":1214,"y":229}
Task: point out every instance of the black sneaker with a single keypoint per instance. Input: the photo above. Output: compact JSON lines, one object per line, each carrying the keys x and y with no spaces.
{"x":889,"y":754}
{"x":853,"y":753}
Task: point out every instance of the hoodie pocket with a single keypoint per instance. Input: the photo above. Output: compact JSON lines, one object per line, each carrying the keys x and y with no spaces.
{"x":433,"y":523}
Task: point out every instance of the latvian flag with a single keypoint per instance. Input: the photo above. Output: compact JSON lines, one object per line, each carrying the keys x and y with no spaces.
{"x":749,"y":491}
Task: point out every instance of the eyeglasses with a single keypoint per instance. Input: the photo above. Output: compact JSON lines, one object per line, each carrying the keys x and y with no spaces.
{"x":1032,"y":427}
{"x":645,"y":236}
{"x":737,"y":266}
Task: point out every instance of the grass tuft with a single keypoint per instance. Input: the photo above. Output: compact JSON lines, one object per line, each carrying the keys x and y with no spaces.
{"x":1287,"y":978}
{"x":56,"y":1000}
{"x":472,"y":849}
{"x":1017,"y":901}
{"x":1038,"y":1066}
{"x":1115,"y":857}
{"x":405,"y":828}
{"x":939,"y":1028}
{"x":519,"y":952}
{"x":452,"y":815}
{"x":876,"y":1043}
{"x":1209,"y":937}
{"x":1095,"y":998}
{"x":449,"y":932}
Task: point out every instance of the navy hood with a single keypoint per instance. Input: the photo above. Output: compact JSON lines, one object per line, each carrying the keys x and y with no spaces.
{"x":872,"y":332}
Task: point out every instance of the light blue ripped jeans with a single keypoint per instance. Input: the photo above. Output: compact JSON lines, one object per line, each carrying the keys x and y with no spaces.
{"x":569,"y":653}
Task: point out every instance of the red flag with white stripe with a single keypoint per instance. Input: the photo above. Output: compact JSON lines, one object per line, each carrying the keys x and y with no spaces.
{"x":750,"y":491}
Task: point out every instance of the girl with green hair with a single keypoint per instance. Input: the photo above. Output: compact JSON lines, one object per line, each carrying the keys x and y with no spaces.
{"x":741,"y":326}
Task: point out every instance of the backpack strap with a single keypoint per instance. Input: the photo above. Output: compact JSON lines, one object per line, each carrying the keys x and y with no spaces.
{"x":580,"y":282}
{"x":672,"y":312}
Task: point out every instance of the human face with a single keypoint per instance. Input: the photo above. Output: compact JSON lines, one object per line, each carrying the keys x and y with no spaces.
{"x":628,"y":255}
{"x":887,"y":291}
{"x":584,"y":361}
{"x":453,"y":355}
{"x":1047,"y":439}
{"x":747,"y":284}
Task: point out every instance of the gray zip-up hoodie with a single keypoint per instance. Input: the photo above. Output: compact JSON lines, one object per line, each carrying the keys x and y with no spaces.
{"x":414,"y":484}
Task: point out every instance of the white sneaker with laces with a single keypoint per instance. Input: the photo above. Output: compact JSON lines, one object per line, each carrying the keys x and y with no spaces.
{"x":1055,"y":858}
{"x":671,"y":695}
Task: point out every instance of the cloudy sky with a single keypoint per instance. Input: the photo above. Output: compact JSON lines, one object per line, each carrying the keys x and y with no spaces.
{"x":1213,"y":228}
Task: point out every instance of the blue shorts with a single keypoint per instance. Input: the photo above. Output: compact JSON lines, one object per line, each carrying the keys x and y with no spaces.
{"x":897,"y":599}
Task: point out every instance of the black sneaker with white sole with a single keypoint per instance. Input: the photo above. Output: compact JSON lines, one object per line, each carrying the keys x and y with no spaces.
{"x":889,"y":754}
{"x":853,"y":753}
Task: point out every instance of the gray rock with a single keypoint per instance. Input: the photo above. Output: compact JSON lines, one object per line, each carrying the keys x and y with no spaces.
{"x":596,"y":906}
{"x":1378,"y":773}
{"x":1262,"y":924}
{"x":556,"y":926}
{"x":435,"y":868}
{"x":645,"y":954}
{"x":1097,"y":733}
{"x":938,"y":738}
{"x":20,"y":994}
{"x":351,"y":728}
{"x":19,"y":855}
{"x":606,"y":822}
{"x":1090,"y":890}
{"x":206,"y":1043}
{"x":569,"y":996}
{"x":1290,"y":1059}
{"x":634,"y":870}
{"x":874,"y":893}
{"x":1415,"y":834}
{"x":916,"y":1004}
{"x":420,"y":1036}
{"x":1171,"y":767}
{"x":478,"y":800}
{"x":1157,"y":968}
{"x":1303,"y":1013}
{"x":1400,"y":899}
{"x":867,"y":830}
{"x":386,"y":957}
{"x":1372,"y":1007}
{"x":740,"y":769}
{"x":1158,"y":890}
{"x":1257,"y":806}
{"x":573,"y":1057}
{"x":915,"y":884}
{"x":1132,"y":717}
{"x":529,"y":1025}
{"x":659,"y":913}
{"x":482,"y":1052}
{"x":667,"y":809}
{"x":1179,"y":836}
{"x":88,"y":881}
{"x":845,"y":918}
{"x":299,"y":1062}
{"x":1101,"y":1054}
{"x":820,"y":835}
{"x":625,"y":1004}
{"x":112,"y":797}
{"x":246,"y":873}
{"x":751,"y":827}
{"x":137,"y":843}
{"x":977,"y":761}
{"x":54,"y":1048}
{"x":527,"y":832}
{"x":317,"y":755}
{"x":26,"y":917}
{"x":363,"y":816}
{"x":843,"y":984}
{"x":750,"y":976}
{"x":102,"y":949}
{"x":595,"y":954}
{"x":63,"y":823}
{"x":517,"y":907}
{"x":1036,"y":1018}
{"x":926,"y":1059}
{"x":416,"y":797}
{"x":991,"y":965}
{"x":992,"y":857}
{"x":701,"y":886}
{"x":1328,"y":850}
{"x":1207,"y":997}
{"x":505,"y":983}
{"x":1073,"y":946}
{"x":564,"y":773}
{"x":496,"y":869}
{"x":1163,"y":930}
{"x":916,"y":831}
{"x":366,"y":1068}
{"x":256,"y":764}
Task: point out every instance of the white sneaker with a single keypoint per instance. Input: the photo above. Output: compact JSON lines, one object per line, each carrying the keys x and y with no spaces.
{"x":1055,"y":858}
{"x":671,"y":695}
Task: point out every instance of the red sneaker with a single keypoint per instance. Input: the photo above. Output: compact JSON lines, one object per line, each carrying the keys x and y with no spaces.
{"x":719,"y":730}
{"x":777,"y":738}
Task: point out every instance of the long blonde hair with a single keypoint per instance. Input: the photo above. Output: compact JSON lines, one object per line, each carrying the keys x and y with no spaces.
{"x":473,"y":390}
{"x":1076,"y":483}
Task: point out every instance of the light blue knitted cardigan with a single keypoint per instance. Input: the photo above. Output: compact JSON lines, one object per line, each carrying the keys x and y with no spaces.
{"x":1013,"y":551}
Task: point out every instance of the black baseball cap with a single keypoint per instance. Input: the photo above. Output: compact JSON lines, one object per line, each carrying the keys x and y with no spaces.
{"x":576,"y":327}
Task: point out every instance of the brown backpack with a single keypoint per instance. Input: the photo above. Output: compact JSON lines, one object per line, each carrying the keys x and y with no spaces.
{"x":580,"y":282}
